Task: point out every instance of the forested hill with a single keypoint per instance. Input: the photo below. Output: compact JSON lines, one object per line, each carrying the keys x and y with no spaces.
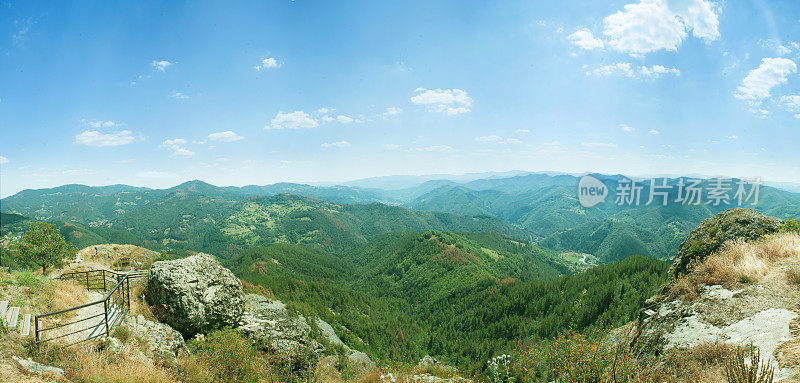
{"x":194,"y":219}
{"x":538,"y":207}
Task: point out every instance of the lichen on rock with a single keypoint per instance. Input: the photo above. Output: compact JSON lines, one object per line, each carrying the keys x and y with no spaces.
{"x":195,"y":295}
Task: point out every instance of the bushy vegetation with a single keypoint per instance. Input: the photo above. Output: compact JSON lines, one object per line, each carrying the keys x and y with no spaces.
{"x":226,"y":356}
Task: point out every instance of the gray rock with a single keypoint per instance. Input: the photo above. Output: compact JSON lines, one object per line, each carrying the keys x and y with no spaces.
{"x":164,"y":344}
{"x":273,"y":330}
{"x":354,"y":356}
{"x":28,"y":366}
{"x":428,"y":362}
{"x":713,"y":232}
{"x":194,"y":295}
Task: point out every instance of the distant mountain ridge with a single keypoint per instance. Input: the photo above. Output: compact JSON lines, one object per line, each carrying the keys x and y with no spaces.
{"x":532,"y":206}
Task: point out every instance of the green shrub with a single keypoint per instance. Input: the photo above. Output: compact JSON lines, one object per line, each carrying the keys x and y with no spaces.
{"x":227,"y":356}
{"x":569,"y":357}
{"x":27,"y":278}
{"x":121,"y":333}
{"x":790,"y":226}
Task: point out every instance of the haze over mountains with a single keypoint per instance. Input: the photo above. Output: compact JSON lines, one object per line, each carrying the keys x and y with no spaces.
{"x":536,"y":207}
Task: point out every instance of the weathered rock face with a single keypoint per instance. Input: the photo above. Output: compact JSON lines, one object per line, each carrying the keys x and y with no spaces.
{"x":715,"y":231}
{"x":164,"y":344}
{"x":355,"y":357}
{"x":28,"y":366}
{"x":195,"y":295}
{"x":273,"y":330}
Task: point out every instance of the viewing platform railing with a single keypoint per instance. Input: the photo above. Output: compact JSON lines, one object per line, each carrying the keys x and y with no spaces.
{"x":91,"y":320}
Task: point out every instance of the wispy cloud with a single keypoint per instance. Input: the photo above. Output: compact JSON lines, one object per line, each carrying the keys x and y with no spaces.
{"x":294,"y":120}
{"x":625,"y":69}
{"x":337,"y":144}
{"x":99,"y":139}
{"x":599,"y":144}
{"x":268,"y":63}
{"x":161,"y":65}
{"x":176,"y":147}
{"x":447,"y":101}
{"x":226,"y":136}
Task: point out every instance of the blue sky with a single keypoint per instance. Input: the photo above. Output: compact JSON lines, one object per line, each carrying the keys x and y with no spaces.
{"x":156,"y":93}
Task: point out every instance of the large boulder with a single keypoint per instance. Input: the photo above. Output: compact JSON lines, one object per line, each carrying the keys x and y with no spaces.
{"x":713,"y":232}
{"x":195,"y":295}
{"x":267,"y":323}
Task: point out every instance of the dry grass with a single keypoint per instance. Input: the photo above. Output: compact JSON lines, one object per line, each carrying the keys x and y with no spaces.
{"x":91,"y":365}
{"x":68,"y":294}
{"x":742,"y":262}
{"x":710,"y":352}
{"x":684,"y":288}
{"x":138,"y":305}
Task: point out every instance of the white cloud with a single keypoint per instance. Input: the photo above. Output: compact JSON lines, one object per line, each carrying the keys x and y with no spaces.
{"x":226,"y":136}
{"x":162,"y":65}
{"x":96,"y":138}
{"x":780,"y":49}
{"x":391,"y":111}
{"x":733,"y":137}
{"x":3,"y":160}
{"x":179,"y":95}
{"x":653,"y":25}
{"x":174,"y":141}
{"x":447,"y":101}
{"x":626,"y":128}
{"x":654,"y":132}
{"x":760,"y":81}
{"x":100,"y":124}
{"x":791,"y":103}
{"x":489,"y":139}
{"x":175,"y":145}
{"x":513,"y":141}
{"x":294,"y":120}
{"x":155,"y":174}
{"x":182,"y":152}
{"x":342,"y":119}
{"x":391,"y":146}
{"x":338,"y":144}
{"x":585,"y":40}
{"x":267,"y":63}
{"x":325,"y":110}
{"x":328,"y":119}
{"x":434,"y":148}
{"x":624,"y":69}
{"x":599,"y":144}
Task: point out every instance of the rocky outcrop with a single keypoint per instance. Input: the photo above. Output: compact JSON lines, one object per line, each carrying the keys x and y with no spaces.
{"x":28,"y":366}
{"x":194,"y":295}
{"x":428,"y":363}
{"x":715,"y":231}
{"x":267,"y":323}
{"x":763,"y":315}
{"x":163,"y":343}
{"x":355,"y":357}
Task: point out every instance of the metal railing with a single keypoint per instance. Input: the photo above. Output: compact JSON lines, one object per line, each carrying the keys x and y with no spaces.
{"x":94,"y":319}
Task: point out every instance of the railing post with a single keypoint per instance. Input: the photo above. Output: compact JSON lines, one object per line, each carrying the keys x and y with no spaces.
{"x":104,"y":280}
{"x":105,"y":311}
{"x":36,"y":328}
{"x":87,"y":281}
